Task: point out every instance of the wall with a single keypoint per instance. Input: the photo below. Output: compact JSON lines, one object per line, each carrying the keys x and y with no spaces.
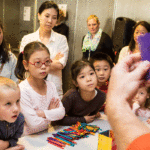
{"x":134,"y":9}
{"x":11,"y":21}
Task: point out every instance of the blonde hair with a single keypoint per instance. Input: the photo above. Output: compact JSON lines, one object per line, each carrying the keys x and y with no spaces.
{"x":6,"y":83}
{"x":93,"y":17}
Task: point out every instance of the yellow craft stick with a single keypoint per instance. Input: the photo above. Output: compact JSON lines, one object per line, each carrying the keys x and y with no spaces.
{"x":104,"y":142}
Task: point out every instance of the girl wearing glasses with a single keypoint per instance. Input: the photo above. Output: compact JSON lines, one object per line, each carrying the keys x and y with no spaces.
{"x":40,"y":103}
{"x":48,"y":15}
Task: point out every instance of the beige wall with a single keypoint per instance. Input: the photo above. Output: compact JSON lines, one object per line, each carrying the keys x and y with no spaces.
{"x":134,"y":9}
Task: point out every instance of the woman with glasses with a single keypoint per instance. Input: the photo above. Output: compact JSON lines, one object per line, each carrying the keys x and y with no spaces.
{"x":48,"y":15}
{"x":40,"y":103}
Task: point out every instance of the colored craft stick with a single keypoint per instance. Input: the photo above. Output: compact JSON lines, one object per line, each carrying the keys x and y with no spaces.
{"x":71,"y":144}
{"x":56,"y":141}
{"x":55,"y":144}
{"x":64,"y":136}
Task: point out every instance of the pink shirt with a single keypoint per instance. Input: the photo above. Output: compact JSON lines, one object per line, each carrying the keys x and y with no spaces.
{"x":32,"y":101}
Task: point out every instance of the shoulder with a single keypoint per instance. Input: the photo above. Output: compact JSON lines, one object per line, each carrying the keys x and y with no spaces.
{"x":29,"y":35}
{"x":20,"y":119}
{"x":24,"y":86}
{"x":101,"y":93}
{"x":12,"y":56}
{"x":58,"y":35}
{"x":71,"y":94}
{"x":50,"y":85}
{"x":105,"y":36}
{"x":125,"y":49}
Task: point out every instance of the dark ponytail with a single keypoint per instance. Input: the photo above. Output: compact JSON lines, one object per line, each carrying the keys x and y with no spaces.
{"x":25,"y":55}
{"x":20,"y":70}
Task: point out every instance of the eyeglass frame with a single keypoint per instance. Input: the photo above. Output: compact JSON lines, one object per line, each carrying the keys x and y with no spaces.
{"x":41,"y":63}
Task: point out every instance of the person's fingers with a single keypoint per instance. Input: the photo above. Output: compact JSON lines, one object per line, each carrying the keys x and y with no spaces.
{"x":140,"y":71}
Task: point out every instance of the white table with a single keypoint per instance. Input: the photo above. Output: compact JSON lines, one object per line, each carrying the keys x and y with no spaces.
{"x":38,"y":141}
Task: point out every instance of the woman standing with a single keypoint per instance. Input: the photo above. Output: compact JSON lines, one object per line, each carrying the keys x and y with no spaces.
{"x":7,"y":59}
{"x":96,"y":40}
{"x":140,"y":28}
{"x":56,"y":43}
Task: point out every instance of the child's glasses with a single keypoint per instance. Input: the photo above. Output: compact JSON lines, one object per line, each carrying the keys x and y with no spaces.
{"x":38,"y":64}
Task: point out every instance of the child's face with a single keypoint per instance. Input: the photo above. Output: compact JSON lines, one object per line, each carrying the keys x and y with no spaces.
{"x":9,"y":105}
{"x":102,"y":69}
{"x":86,"y":79}
{"x":38,"y":57}
{"x":141,"y":96}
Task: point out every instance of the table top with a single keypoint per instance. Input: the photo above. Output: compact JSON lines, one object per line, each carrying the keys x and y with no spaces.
{"x":38,"y":141}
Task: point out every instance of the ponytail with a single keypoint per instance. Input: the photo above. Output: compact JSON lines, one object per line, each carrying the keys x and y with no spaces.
{"x":20,"y":70}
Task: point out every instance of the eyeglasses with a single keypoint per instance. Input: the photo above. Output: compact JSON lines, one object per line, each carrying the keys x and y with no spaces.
{"x":38,"y":64}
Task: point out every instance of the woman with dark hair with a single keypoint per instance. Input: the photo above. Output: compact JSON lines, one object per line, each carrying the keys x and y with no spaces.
{"x":48,"y":15}
{"x":7,"y":59}
{"x":140,"y":28}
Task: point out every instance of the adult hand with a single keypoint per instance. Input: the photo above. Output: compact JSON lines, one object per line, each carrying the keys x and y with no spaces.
{"x":126,"y":78}
{"x":17,"y":147}
{"x":58,"y":56}
{"x":54,"y":103}
{"x":89,"y":118}
{"x":98,"y":115}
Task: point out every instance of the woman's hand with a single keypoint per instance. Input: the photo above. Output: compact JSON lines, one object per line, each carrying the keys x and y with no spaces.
{"x":58,"y":56}
{"x":54,"y":104}
{"x":89,"y":119}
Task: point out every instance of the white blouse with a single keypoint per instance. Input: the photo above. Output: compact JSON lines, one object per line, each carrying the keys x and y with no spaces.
{"x":32,"y":101}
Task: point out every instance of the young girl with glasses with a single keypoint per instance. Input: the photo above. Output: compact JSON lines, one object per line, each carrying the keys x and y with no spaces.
{"x":40,"y":103}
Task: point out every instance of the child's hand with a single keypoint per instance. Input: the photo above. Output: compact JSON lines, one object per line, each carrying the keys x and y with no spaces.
{"x":89,"y":118}
{"x":17,"y":147}
{"x":148,"y":121}
{"x":40,"y":113}
{"x":98,"y":115}
{"x":53,"y":104}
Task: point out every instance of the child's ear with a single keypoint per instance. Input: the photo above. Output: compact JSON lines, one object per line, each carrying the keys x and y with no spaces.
{"x":25,"y":64}
{"x":75,"y":83}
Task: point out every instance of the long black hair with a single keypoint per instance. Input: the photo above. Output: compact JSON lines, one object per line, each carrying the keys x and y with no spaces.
{"x":25,"y":55}
{"x":142,"y":23}
{"x":4,"y":55}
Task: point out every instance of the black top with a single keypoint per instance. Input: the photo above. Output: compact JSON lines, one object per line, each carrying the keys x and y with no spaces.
{"x":62,"y":29}
{"x":76,"y":108}
{"x":105,"y":46}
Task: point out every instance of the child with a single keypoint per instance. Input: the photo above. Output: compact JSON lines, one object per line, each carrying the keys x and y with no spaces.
{"x":103,"y":65}
{"x":83,"y":103}
{"x":40,"y":103}
{"x":11,"y":120}
{"x":141,"y":102}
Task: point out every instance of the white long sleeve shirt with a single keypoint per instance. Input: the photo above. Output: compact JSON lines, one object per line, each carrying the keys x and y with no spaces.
{"x":32,"y":101}
{"x":57,"y":43}
{"x":139,"y":111}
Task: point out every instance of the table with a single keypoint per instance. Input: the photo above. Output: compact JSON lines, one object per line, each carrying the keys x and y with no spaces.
{"x":38,"y":141}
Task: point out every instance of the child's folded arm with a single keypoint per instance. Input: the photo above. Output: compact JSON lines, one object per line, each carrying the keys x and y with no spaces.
{"x":4,"y":144}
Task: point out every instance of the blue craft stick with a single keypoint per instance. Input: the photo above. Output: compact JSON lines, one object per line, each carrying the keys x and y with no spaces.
{"x":64,"y":135}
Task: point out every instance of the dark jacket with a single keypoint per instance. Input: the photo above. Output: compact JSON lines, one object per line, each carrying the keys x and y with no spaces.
{"x":105,"y":46}
{"x":12,"y":131}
